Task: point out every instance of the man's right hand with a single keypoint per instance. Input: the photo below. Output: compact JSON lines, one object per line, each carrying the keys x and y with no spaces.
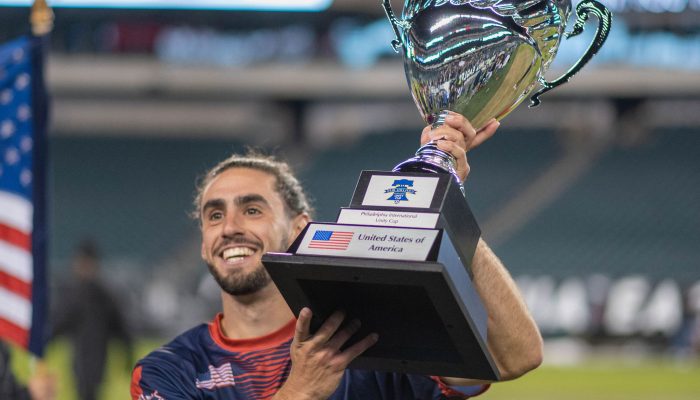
{"x":318,"y":363}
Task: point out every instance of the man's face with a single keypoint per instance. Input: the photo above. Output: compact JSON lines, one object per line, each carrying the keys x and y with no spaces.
{"x":243,"y":217}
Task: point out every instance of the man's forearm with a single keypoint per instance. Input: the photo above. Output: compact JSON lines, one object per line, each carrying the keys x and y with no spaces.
{"x":513,"y":338}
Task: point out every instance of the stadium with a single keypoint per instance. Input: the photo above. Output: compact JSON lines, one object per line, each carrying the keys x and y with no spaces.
{"x":587,"y":199}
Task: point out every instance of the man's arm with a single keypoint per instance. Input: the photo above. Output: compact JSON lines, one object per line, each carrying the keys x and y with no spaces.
{"x":163,"y":374}
{"x":513,"y":337}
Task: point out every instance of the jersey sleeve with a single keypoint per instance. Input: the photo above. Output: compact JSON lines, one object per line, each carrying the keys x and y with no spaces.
{"x":161,"y":380}
{"x":459,"y":392}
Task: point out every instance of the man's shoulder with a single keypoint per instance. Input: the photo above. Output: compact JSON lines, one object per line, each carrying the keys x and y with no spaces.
{"x":187,"y":347}
{"x":171,"y":370}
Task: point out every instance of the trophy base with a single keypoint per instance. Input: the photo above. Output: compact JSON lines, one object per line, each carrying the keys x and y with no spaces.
{"x":425,"y":321}
{"x":398,"y":259}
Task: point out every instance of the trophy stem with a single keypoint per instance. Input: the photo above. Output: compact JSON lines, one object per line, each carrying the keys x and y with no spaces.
{"x":429,"y":158}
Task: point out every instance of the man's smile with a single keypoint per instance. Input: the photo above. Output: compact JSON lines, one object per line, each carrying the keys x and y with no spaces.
{"x":236,"y":254}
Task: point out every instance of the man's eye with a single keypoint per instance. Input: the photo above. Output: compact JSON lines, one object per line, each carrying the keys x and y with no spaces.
{"x":252,"y":211}
{"x":216,"y":215}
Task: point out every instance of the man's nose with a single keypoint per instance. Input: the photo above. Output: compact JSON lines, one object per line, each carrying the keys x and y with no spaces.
{"x":233,"y":225}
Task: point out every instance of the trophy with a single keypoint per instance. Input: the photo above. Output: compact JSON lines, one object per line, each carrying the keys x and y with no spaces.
{"x":481,"y":58}
{"x":399,"y":257}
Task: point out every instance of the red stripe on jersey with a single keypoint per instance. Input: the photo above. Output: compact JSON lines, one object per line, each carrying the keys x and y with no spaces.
{"x":14,"y":333}
{"x":265,"y":370}
{"x":136,"y":390}
{"x":15,"y":285}
{"x":273,"y":339}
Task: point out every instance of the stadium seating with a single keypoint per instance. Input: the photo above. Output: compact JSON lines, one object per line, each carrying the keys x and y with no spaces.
{"x":635,"y":212}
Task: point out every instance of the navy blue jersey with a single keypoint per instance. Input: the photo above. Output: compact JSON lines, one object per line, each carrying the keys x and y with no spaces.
{"x":204,"y":364}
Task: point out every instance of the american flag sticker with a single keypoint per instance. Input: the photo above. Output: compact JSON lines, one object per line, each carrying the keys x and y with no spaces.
{"x":331,"y":240}
{"x":217,"y":377}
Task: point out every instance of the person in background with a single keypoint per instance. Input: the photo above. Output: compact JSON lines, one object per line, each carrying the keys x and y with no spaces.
{"x":88,"y":314}
{"x":256,"y":348}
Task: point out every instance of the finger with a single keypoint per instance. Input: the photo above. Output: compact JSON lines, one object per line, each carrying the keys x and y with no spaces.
{"x":448,"y":133}
{"x":425,"y":135}
{"x":342,"y":336}
{"x":485,"y":133}
{"x":358,"y":348}
{"x":329,"y":327}
{"x":459,"y":155}
{"x":463,"y":125}
{"x":466,"y":170}
{"x":452,"y":148}
{"x":445,"y":130}
{"x":301,"y":332}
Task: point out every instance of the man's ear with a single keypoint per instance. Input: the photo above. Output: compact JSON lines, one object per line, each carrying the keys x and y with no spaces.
{"x":299,"y":223}
{"x":203,"y":252}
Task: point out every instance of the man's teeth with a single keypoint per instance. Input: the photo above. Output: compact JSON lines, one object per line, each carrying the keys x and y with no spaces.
{"x":237,"y":252}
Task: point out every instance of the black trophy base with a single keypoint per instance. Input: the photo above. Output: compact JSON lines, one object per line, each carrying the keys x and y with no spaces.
{"x":425,"y":325}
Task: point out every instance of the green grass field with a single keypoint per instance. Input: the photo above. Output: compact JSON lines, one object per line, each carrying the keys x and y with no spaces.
{"x":599,"y":380}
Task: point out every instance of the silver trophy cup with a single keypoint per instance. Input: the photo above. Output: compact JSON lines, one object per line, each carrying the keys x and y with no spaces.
{"x":482,"y":58}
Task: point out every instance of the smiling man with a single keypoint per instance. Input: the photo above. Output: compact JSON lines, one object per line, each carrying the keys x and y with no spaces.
{"x":256,"y":348}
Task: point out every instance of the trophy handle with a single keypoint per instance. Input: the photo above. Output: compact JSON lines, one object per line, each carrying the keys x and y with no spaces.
{"x":396,"y":24}
{"x":583,"y":10}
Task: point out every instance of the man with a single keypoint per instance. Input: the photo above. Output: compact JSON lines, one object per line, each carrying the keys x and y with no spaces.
{"x":89,"y":316}
{"x":255,"y":349}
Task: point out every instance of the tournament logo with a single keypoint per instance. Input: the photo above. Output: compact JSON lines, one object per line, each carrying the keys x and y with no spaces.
{"x":400,"y":188}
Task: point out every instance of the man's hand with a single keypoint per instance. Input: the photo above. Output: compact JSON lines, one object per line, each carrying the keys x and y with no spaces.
{"x":317,"y":362}
{"x":42,"y":385}
{"x":457,"y":136}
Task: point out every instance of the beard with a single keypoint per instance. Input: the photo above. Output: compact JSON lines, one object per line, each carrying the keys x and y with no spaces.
{"x":238,"y":283}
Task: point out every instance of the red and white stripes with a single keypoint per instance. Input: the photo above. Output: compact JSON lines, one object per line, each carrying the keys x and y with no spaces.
{"x":16,"y":267}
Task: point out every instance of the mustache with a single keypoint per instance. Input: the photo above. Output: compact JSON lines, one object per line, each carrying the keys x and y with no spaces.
{"x":238,"y":240}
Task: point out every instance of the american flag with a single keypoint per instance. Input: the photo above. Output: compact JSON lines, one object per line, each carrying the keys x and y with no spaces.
{"x":332,"y":240}
{"x":22,"y":211}
{"x":218,"y":377}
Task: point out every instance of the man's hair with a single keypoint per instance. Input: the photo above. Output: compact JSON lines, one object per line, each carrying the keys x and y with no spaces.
{"x":287,"y":184}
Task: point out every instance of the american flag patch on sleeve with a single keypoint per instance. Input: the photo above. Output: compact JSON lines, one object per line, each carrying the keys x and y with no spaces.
{"x":217,"y":377}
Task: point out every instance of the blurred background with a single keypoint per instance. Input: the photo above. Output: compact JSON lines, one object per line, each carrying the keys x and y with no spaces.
{"x":592,"y":200}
